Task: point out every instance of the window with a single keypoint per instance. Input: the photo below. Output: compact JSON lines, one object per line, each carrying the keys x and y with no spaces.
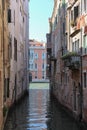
{"x":85,"y":5}
{"x":35,"y":66}
{"x":72,"y":15}
{"x":43,"y":66}
{"x":15,"y":49}
{"x":9,"y":15}
{"x":6,"y":88}
{"x":31,"y":66}
{"x":43,"y":74}
{"x":64,"y":28}
{"x":23,"y":19}
{"x":43,"y":55}
{"x":61,"y":79}
{"x":31,"y":54}
{"x":36,"y":56}
{"x":75,"y":46}
{"x":84,"y":79}
{"x":35,"y":74}
{"x":35,"y":77}
{"x":85,"y":44}
{"x":76,"y":12}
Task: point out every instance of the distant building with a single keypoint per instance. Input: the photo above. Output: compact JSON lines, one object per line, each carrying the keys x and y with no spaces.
{"x":37,"y":61}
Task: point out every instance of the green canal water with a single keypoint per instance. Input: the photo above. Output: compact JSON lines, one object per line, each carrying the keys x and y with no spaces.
{"x":40,"y":111}
{"x":39,"y":86}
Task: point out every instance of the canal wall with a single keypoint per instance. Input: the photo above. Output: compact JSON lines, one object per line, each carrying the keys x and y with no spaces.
{"x":69,"y":112}
{"x":12,"y":106}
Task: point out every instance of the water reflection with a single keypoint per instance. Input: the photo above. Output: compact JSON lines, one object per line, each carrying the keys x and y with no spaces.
{"x":60,"y":120}
{"x":38,"y":109}
{"x":38,"y":112}
{"x":18,"y":117}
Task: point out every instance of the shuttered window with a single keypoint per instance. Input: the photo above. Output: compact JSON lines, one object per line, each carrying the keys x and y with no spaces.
{"x":84,"y":79}
{"x":9,"y":15}
{"x":76,"y":12}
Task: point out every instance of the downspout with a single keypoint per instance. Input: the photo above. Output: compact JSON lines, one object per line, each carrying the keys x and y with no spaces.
{"x":81,"y":87}
{"x":3,"y":51}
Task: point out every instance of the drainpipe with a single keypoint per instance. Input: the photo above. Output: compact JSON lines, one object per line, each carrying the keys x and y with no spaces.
{"x":81,"y":80}
{"x":81,"y":87}
{"x":3,"y":49}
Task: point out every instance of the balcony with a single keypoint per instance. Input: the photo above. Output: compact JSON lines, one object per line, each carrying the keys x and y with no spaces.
{"x":74,"y":32}
{"x":72,"y":60}
{"x":74,"y":28}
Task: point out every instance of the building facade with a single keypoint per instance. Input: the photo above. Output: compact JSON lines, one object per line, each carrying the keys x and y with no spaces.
{"x":4,"y":58}
{"x":37,"y":60}
{"x":18,"y":27}
{"x":14,"y":35}
{"x":68,"y":55}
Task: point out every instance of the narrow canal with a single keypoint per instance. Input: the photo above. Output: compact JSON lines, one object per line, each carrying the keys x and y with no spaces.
{"x":39,"y":112}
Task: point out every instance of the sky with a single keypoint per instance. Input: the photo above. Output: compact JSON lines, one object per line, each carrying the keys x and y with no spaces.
{"x":39,"y":12}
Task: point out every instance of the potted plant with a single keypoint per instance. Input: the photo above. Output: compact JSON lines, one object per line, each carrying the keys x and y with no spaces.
{"x":69,"y":54}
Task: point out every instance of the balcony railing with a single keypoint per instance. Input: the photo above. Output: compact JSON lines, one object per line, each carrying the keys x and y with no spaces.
{"x":72,"y":60}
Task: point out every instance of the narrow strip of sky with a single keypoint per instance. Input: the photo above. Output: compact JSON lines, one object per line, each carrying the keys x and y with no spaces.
{"x":40,"y":11}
